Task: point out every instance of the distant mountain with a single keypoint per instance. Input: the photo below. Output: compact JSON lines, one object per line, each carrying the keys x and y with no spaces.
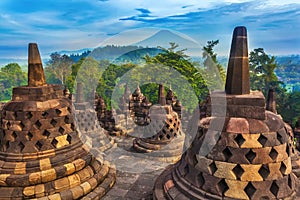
{"x":136,"y":56}
{"x":164,"y":37}
{"x":74,"y":52}
{"x":111,"y":52}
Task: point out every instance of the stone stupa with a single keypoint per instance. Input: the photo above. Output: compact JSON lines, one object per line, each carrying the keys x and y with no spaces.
{"x":89,"y":125}
{"x":241,"y":153}
{"x":166,"y":139}
{"x":41,"y":155}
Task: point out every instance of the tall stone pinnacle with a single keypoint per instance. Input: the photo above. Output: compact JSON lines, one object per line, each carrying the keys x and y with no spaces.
{"x":271,"y":102}
{"x":36,"y":76}
{"x":79,"y":93}
{"x":161,"y":95}
{"x":238,"y":78}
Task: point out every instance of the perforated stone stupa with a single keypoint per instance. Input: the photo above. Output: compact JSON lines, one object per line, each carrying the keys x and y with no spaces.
{"x":41,"y":155}
{"x":89,"y":126}
{"x":168,"y":140}
{"x":139,"y":107}
{"x":241,"y":153}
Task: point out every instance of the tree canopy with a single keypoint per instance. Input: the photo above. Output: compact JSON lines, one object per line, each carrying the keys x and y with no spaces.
{"x":11,"y":75}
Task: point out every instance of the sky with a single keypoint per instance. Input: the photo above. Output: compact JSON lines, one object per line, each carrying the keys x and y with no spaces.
{"x":75,"y":24}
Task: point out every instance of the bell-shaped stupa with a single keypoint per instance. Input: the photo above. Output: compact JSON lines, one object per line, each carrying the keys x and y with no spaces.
{"x":241,"y":150}
{"x":41,"y":154}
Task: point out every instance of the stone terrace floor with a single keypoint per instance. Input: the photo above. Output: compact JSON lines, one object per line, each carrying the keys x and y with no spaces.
{"x":136,"y":173}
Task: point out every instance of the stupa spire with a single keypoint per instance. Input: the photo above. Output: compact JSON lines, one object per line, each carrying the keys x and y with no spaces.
{"x":271,"y":102}
{"x":161,"y":95}
{"x":238,"y":78}
{"x":36,"y":76}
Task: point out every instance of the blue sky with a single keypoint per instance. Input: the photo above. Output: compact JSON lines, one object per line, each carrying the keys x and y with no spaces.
{"x":74,"y":24}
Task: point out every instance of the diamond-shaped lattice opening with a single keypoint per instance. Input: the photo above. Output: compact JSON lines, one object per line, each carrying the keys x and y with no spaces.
{"x":250,"y":190}
{"x":250,"y":156}
{"x":213,"y":168}
{"x":168,"y":136}
{"x":46,"y":133}
{"x":288,"y":150}
{"x":53,"y":122}
{"x":262,"y":140}
{"x":58,"y":112}
{"x":38,"y":145}
{"x":264,"y":171}
{"x":274,"y":189}
{"x":7,"y":145}
{"x":29,"y":115}
{"x":279,"y":138}
{"x":238,"y":171}
{"x":45,"y":114}
{"x":54,"y":142}
{"x":73,"y":127}
{"x":22,"y":125}
{"x":239,"y":139}
{"x":67,"y":120}
{"x":38,"y":124}
{"x":290,"y":182}
{"x":273,"y":154}
{"x":21,"y":145}
{"x":160,"y":137}
{"x":69,"y":139}
{"x":14,"y":134}
{"x":222,"y":186}
{"x":61,"y":130}
{"x":201,"y":179}
{"x":282,"y":168}
{"x":227,"y":153}
{"x":29,"y":136}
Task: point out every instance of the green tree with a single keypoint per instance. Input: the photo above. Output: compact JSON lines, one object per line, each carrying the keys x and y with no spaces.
{"x":179,"y":61}
{"x":11,"y":75}
{"x":262,"y":71}
{"x":214,"y":70}
{"x":109,"y":79}
{"x":58,"y":68}
{"x":263,"y":77}
{"x":290,"y":107}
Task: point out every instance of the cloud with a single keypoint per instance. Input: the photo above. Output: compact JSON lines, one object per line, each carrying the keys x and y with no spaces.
{"x":79,"y":23}
{"x":186,"y":6}
{"x":143,"y":10}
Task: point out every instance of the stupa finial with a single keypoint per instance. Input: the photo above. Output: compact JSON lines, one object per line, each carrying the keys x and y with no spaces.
{"x":238,"y":78}
{"x":36,"y":76}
